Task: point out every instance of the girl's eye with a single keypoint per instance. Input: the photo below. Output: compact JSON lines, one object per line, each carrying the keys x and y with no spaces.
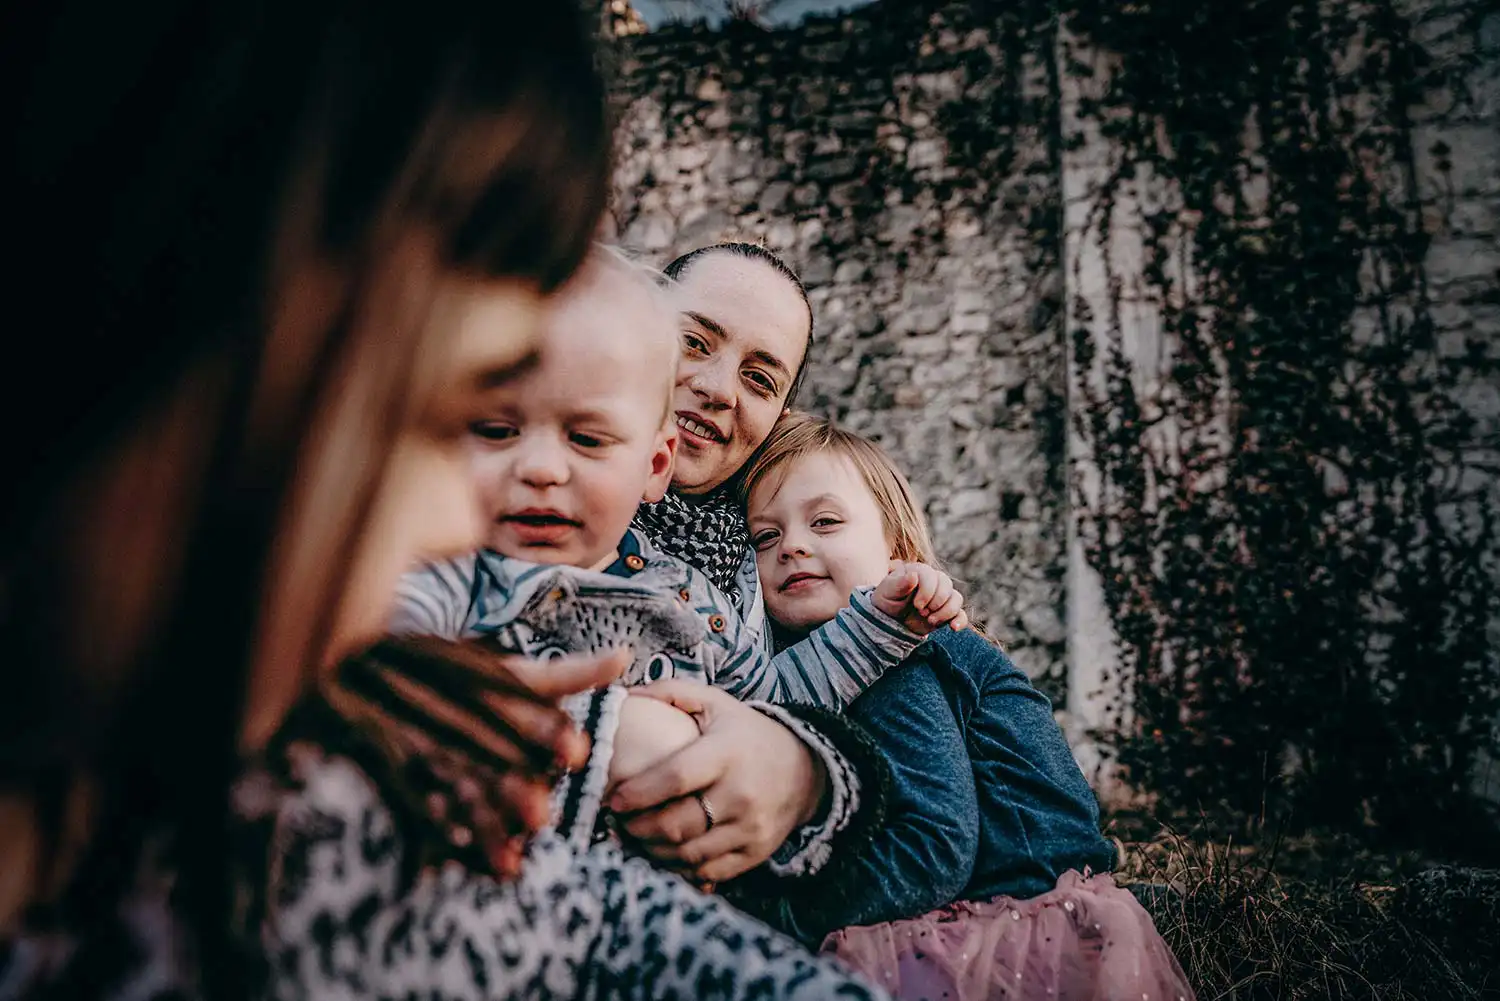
{"x":826,"y":521}
{"x":694,"y":343}
{"x":763,"y":540}
{"x":492,"y":431}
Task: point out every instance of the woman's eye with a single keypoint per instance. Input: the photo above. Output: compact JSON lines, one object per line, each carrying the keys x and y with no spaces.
{"x":693,"y":342}
{"x":491,"y":431}
{"x":761,"y":382}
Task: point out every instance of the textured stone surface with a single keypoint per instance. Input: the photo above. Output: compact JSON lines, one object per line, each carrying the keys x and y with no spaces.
{"x":901,"y":159}
{"x":906,"y":159}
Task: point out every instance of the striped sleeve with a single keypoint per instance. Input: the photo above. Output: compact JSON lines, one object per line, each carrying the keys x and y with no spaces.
{"x":435,"y":600}
{"x":851,"y":651}
{"x":830,"y":668}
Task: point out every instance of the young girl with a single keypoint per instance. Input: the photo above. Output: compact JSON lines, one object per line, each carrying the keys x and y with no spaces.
{"x":978,"y":885}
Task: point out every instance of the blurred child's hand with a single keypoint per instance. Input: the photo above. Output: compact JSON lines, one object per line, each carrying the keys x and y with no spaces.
{"x":479,"y":735}
{"x":921,"y":598}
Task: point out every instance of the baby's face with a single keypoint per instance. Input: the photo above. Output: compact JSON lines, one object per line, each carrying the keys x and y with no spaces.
{"x":572,"y":447}
{"x":818,"y":535}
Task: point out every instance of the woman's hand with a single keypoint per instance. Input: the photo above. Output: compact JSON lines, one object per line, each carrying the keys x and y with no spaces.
{"x":759,"y":780}
{"x":482,"y":729}
{"x":921,"y":598}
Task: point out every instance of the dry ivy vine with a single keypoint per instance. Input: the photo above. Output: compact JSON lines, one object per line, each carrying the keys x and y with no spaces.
{"x":1302,"y":600}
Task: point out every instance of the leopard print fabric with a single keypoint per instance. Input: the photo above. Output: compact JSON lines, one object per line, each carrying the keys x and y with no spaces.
{"x":577,"y":924}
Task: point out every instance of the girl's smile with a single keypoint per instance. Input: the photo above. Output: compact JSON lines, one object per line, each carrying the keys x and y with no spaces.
{"x":801,"y":582}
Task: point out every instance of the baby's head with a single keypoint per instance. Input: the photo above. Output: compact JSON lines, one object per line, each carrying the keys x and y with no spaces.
{"x":573,"y":445}
{"x":828,"y":511}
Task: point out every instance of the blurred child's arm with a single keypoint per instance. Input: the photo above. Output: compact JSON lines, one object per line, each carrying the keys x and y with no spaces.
{"x":435,"y":600}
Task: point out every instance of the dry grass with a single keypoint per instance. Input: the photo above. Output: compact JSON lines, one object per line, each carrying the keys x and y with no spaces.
{"x":1310,"y":918}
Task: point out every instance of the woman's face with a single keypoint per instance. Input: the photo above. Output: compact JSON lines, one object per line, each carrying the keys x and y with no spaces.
{"x":744,"y":337}
{"x":427,"y":506}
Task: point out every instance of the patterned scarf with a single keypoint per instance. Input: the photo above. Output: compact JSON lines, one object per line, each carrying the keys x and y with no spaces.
{"x":707,"y":533}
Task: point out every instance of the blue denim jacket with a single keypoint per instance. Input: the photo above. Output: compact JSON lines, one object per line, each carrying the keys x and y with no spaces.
{"x":986,"y":798}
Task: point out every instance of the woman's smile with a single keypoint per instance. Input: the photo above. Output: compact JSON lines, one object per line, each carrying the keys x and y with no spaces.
{"x":698,"y":430}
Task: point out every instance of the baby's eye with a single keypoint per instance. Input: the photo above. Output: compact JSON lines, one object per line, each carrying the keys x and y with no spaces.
{"x":585,"y":440}
{"x":761,"y":541}
{"x":493,"y":430}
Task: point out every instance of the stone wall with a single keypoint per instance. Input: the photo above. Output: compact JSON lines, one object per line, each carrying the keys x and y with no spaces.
{"x":930,"y":169}
{"x":903,"y":160}
{"x":1456,"y":143}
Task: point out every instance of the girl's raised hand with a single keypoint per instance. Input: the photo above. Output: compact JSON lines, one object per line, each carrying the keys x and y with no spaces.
{"x":921,"y":598}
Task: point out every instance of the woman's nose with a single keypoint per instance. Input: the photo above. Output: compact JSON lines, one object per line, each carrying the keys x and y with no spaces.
{"x":713,"y":381}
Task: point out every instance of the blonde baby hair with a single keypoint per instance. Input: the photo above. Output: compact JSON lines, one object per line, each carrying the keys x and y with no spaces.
{"x":653,"y":284}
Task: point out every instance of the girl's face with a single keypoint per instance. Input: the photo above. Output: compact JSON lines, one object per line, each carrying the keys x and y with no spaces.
{"x":744,"y":335}
{"x":818,"y":534}
{"x":428,"y":504}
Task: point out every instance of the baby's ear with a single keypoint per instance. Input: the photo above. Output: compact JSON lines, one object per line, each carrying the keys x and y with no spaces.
{"x":663,"y":457}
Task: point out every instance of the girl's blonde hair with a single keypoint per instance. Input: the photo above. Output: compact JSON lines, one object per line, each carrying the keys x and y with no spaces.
{"x":799,"y":434}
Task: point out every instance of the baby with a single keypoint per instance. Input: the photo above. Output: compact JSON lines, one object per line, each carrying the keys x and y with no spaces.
{"x":571,"y":448}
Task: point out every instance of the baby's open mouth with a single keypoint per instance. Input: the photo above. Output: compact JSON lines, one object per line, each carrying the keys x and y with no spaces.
{"x":541,"y":519}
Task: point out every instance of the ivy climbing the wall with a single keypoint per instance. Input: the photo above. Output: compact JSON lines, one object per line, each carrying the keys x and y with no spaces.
{"x":1304,"y":601}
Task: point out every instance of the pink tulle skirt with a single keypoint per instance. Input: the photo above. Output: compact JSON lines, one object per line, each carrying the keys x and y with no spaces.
{"x":1086,"y":940}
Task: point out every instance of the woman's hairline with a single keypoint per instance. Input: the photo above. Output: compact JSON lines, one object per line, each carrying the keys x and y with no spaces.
{"x":676,"y":269}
